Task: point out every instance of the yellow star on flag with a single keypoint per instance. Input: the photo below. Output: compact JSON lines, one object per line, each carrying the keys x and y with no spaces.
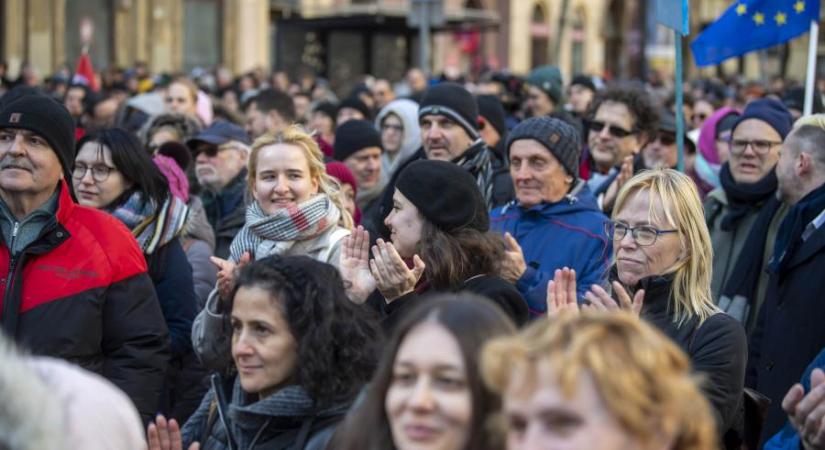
{"x":780,"y":18}
{"x":799,"y":7}
{"x":759,"y":18}
{"x":742,"y":9}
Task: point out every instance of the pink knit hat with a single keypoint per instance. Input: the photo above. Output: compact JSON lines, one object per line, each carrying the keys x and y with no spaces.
{"x":178,"y":183}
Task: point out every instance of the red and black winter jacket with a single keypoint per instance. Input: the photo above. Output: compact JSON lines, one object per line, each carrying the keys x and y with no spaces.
{"x":80,"y":292}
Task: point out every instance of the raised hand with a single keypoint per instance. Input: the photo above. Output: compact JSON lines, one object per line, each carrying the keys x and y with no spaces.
{"x":625,"y":173}
{"x":514,"y":266}
{"x":227,"y":271}
{"x":392,"y":276}
{"x":600,"y":299}
{"x":561,"y":292}
{"x":355,"y":265}
{"x":163,"y":435}
{"x":806,"y":412}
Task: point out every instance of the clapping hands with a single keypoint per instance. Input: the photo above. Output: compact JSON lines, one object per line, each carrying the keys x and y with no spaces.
{"x":386,"y":272}
{"x":562,"y":298}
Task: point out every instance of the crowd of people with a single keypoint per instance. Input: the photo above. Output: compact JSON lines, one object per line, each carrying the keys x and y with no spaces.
{"x":457,"y":264}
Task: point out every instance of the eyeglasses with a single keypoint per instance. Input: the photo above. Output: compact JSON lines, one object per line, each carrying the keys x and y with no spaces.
{"x":644,"y":235}
{"x":393,"y":127}
{"x":617,"y":132}
{"x":760,"y":146}
{"x":99,"y":172}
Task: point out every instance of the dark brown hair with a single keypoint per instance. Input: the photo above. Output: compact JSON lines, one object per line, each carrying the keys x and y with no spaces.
{"x":454,"y":256}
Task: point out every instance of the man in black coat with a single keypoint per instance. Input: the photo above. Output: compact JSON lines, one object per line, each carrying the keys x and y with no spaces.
{"x":790,"y":329}
{"x":449,"y":119}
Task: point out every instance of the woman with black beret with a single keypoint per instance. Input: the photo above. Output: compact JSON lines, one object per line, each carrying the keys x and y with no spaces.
{"x":439,"y":242}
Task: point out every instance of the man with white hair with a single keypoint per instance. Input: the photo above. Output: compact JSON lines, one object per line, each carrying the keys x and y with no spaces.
{"x":221,"y":152}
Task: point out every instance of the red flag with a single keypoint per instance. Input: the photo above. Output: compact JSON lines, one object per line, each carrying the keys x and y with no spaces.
{"x":84,"y":73}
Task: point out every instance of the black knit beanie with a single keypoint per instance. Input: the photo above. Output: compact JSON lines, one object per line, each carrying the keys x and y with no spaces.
{"x":491,"y":109}
{"x":356,"y":103}
{"x":445,"y":194}
{"x":48,"y":119}
{"x":453,"y":101}
{"x":559,"y":137}
{"x":355,"y":135}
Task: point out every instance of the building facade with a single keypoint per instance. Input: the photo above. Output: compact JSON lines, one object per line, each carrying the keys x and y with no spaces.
{"x":341,"y":39}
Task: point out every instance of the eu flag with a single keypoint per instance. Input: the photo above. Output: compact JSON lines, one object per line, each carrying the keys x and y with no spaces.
{"x":749,"y":25}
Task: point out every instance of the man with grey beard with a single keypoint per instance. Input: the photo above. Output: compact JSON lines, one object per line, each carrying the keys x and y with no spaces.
{"x":221,"y":152}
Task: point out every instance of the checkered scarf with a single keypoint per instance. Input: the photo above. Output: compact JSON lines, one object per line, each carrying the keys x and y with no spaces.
{"x":287,"y":225}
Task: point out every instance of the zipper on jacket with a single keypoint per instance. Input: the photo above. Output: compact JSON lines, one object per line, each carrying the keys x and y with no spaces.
{"x":12,"y":260}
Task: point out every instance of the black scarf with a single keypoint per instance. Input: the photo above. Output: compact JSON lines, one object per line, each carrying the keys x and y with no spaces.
{"x":743,"y":197}
{"x":793,"y":226}
{"x":744,"y":279}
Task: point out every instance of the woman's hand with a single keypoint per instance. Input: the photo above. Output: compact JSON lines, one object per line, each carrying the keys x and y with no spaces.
{"x":166,"y":436}
{"x":227,"y":271}
{"x":513,"y":266}
{"x":392,"y":276}
{"x":600,"y":299}
{"x":561,"y":292}
{"x":355,"y":265}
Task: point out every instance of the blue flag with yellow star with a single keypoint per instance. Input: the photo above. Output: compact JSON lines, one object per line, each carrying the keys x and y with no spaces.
{"x":749,"y":25}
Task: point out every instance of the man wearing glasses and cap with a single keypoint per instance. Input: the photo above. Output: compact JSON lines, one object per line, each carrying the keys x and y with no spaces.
{"x":623,"y":121}
{"x":221,"y":152}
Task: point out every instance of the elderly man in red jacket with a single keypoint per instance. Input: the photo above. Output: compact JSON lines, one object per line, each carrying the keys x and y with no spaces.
{"x":74,"y":282}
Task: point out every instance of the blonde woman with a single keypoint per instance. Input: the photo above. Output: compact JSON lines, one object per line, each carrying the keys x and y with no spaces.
{"x":662,"y":271}
{"x":297,"y":210}
{"x":596,"y":380}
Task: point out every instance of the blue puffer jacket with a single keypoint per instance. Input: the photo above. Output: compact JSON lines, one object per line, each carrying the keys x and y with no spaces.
{"x":568,"y":233}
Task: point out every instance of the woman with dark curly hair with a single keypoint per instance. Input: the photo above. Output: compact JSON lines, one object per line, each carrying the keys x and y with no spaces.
{"x":427,"y":392}
{"x":440,"y":242}
{"x":302,"y":352}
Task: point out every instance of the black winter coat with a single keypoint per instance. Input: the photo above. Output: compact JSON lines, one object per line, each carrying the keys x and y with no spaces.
{"x":226,"y":212}
{"x":790,"y":329}
{"x":717,"y":349}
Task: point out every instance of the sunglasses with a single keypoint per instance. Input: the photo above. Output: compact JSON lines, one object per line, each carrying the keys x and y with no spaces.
{"x":212,"y":151}
{"x":666,"y":138}
{"x":618,"y":132}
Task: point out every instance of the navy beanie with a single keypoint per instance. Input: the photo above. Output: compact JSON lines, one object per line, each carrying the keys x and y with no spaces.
{"x":355,"y":135}
{"x":770,"y":111}
{"x":445,"y":194}
{"x":453,"y":101}
{"x":48,"y":119}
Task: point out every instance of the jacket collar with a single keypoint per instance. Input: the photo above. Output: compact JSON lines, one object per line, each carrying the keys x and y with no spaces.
{"x":657,"y":290}
{"x":65,"y":203}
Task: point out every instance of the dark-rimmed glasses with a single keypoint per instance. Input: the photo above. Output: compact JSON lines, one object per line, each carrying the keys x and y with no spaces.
{"x":760,"y":146}
{"x":100,"y":172}
{"x":643,"y":235}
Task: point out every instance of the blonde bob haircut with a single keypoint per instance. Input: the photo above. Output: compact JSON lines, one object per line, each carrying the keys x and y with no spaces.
{"x":642,"y":377}
{"x":683,"y":211}
{"x":296,"y":136}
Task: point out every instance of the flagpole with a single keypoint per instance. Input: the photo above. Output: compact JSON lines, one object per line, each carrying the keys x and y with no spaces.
{"x":680,"y":110}
{"x":813,"y":40}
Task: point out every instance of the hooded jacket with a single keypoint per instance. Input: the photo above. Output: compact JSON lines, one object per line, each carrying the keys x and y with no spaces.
{"x":568,"y":233}
{"x":81,"y":292}
{"x":407,"y":111}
